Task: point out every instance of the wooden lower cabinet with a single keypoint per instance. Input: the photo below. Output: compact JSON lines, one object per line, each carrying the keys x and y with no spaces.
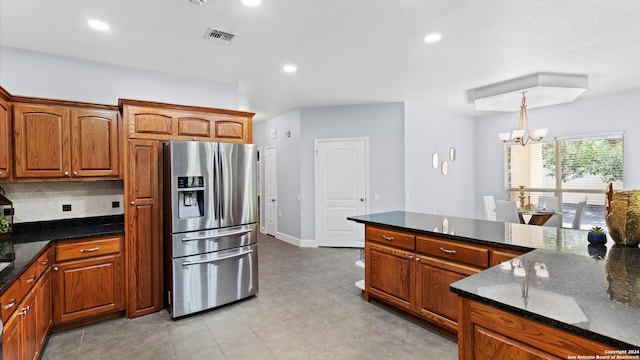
{"x":486,"y":332}
{"x":413,"y":271}
{"x":21,"y":335}
{"x":88,"y":279}
{"x":434,"y":300}
{"x":44,"y":318}
{"x":390,"y":274}
{"x":12,"y":337}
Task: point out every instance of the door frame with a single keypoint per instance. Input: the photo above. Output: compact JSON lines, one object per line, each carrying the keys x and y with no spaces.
{"x":263,"y":158}
{"x":316,"y":181}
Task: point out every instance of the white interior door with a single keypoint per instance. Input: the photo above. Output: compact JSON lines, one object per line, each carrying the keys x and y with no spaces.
{"x":270,"y":187}
{"x":341,"y":191}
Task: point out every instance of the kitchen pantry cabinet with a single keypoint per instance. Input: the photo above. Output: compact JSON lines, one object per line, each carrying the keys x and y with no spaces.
{"x":88,"y":279}
{"x":146,"y":126}
{"x":413,"y":272}
{"x":28,"y":310}
{"x":144,"y":228}
{"x":5,"y":136}
{"x":490,"y":333}
{"x":64,"y":142}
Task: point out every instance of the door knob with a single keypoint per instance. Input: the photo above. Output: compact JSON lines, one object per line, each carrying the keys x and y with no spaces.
{"x":361,"y":199}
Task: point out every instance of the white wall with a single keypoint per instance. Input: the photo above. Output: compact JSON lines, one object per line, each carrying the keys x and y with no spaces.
{"x":383,"y":124}
{"x":427,"y":190}
{"x":287,"y":169}
{"x":34,"y":74}
{"x":28,"y":73}
{"x":582,"y":117}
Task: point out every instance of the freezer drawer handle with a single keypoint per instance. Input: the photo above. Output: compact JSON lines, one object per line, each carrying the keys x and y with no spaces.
{"x":238,"y":232}
{"x":186,"y":263}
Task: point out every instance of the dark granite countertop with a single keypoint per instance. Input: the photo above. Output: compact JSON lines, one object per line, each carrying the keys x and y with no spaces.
{"x":30,"y":239}
{"x":589,"y":291}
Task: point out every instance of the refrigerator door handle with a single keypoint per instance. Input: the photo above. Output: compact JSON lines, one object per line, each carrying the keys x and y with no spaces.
{"x":221,"y":186}
{"x":237,"y":232}
{"x":197,"y":262}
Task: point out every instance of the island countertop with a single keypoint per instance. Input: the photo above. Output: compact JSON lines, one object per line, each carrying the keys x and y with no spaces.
{"x":562,"y":282}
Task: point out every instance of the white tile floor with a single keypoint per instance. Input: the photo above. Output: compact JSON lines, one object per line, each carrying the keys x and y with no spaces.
{"x":307,"y":308}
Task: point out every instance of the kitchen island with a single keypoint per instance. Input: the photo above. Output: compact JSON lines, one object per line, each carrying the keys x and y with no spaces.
{"x":557,"y":281}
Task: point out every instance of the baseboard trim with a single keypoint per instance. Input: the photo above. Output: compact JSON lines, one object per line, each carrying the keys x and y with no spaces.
{"x":295,"y":241}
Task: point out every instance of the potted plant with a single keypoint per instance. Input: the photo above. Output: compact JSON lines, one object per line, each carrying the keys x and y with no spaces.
{"x":597,"y":236}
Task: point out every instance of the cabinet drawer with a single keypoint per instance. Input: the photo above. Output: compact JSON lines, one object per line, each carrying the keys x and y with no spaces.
{"x":463,"y":253}
{"x":392,"y":238}
{"x":10,"y":300}
{"x":499,"y":256}
{"x":28,"y":278}
{"x":87,"y":248}
{"x":44,"y":261}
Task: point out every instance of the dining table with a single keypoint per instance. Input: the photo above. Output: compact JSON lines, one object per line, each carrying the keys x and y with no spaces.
{"x":538,"y":217}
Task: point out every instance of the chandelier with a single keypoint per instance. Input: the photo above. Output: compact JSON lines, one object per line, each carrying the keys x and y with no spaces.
{"x":522,"y":135}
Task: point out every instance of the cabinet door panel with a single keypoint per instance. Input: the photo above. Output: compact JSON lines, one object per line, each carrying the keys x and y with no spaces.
{"x":434,"y":294}
{"x":44,"y":311}
{"x":5,"y":140}
{"x":11,"y":337}
{"x":390,"y":274}
{"x":29,"y":326}
{"x":41,"y":135}
{"x":149,"y":123}
{"x":192,"y":126}
{"x":94,"y":140}
{"x":87,"y":287}
{"x":144,"y":238}
{"x":229,"y":129}
{"x":490,"y":345}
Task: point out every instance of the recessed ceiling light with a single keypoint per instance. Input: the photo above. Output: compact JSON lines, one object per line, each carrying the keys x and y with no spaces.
{"x":98,"y":25}
{"x":432,"y":38}
{"x":251,"y":3}
{"x":289,"y":69}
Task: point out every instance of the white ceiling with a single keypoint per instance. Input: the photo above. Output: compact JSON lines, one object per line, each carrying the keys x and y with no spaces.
{"x":346,"y":51}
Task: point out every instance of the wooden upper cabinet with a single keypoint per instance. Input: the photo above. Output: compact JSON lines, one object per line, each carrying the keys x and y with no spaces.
{"x":158,"y":121}
{"x":5,"y":138}
{"x":64,"y":142}
{"x":94,"y":142}
{"x":41,"y":135}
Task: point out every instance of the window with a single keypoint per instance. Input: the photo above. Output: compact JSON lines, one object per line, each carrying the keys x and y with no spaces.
{"x":571,"y":169}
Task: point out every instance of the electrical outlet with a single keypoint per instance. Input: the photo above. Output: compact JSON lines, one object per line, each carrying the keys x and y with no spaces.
{"x":66,"y":207}
{"x":115,"y":204}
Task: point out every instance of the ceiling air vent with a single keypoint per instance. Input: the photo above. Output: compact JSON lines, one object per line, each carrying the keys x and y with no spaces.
{"x":219,"y":35}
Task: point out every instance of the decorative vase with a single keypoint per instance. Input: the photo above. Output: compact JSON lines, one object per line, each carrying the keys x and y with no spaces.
{"x":622,"y":215}
{"x":597,"y":238}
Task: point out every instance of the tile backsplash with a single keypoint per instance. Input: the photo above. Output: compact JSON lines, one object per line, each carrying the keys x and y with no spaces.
{"x":44,"y":201}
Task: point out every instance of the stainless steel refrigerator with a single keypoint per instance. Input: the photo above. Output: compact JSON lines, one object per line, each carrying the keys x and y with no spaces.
{"x":210,"y":222}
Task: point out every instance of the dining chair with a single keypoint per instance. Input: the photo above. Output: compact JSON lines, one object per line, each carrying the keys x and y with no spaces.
{"x":551,"y":202}
{"x":507,"y":211}
{"x":580,"y":209}
{"x":489,"y":207}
